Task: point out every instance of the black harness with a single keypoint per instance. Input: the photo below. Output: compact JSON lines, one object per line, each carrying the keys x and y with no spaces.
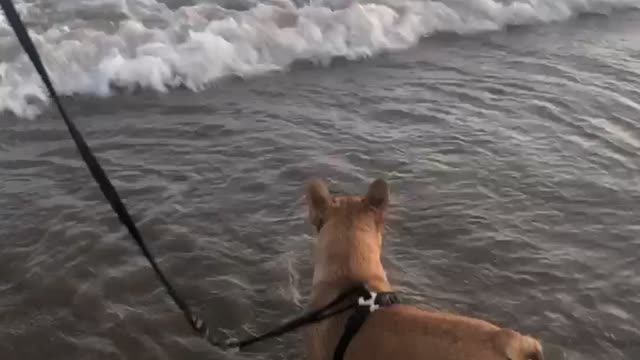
{"x":368,"y":303}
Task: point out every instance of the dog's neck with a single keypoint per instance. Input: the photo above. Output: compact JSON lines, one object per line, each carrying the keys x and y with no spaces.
{"x":344,"y":261}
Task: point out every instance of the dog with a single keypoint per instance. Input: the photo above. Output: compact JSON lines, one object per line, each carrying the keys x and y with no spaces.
{"x":347,"y":251}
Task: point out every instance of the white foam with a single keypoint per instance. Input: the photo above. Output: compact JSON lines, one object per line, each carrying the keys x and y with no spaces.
{"x":144,"y":43}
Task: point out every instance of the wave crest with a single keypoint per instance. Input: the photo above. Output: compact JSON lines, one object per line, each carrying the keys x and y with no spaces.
{"x":104,"y":44}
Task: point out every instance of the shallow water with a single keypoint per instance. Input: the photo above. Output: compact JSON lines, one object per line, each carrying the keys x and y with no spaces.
{"x":512,"y":156}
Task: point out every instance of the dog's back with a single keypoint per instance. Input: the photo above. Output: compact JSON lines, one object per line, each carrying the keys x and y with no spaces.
{"x":408,"y":333}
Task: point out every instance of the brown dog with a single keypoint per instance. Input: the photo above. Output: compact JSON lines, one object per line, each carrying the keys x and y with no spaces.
{"x":347,"y":252}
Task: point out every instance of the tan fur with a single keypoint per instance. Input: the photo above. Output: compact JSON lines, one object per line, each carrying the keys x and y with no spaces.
{"x":347,"y":252}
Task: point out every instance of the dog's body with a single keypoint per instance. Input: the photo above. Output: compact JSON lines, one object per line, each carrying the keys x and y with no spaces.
{"x":348,"y":252}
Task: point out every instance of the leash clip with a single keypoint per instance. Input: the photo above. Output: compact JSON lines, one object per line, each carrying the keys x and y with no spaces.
{"x":370,"y":302}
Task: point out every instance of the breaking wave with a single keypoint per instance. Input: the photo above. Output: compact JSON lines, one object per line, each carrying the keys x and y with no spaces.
{"x":95,"y":46}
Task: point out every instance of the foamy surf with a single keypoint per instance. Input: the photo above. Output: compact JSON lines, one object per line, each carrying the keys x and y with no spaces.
{"x":94,"y":46}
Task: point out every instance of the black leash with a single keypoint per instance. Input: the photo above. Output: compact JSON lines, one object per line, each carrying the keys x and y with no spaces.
{"x":366,"y":302}
{"x":96,"y":170}
{"x":110,"y":193}
{"x":307,"y":319}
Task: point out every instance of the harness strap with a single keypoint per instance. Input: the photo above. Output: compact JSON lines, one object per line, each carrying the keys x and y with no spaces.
{"x":367,"y":304}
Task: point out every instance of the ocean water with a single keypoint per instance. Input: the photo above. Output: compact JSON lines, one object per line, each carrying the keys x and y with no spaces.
{"x":509,"y":132}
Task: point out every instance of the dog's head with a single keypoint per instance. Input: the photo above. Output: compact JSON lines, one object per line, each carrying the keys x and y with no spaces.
{"x":341,"y":216}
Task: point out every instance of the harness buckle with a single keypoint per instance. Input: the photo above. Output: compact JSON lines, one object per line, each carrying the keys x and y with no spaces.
{"x":370,"y":302}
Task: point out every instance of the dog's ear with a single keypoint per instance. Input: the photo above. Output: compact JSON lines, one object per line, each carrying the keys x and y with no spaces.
{"x":378,"y":194}
{"x":515,"y":346}
{"x":318,"y":200}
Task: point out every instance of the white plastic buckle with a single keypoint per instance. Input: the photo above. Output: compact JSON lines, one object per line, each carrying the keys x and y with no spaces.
{"x":371,"y":302}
